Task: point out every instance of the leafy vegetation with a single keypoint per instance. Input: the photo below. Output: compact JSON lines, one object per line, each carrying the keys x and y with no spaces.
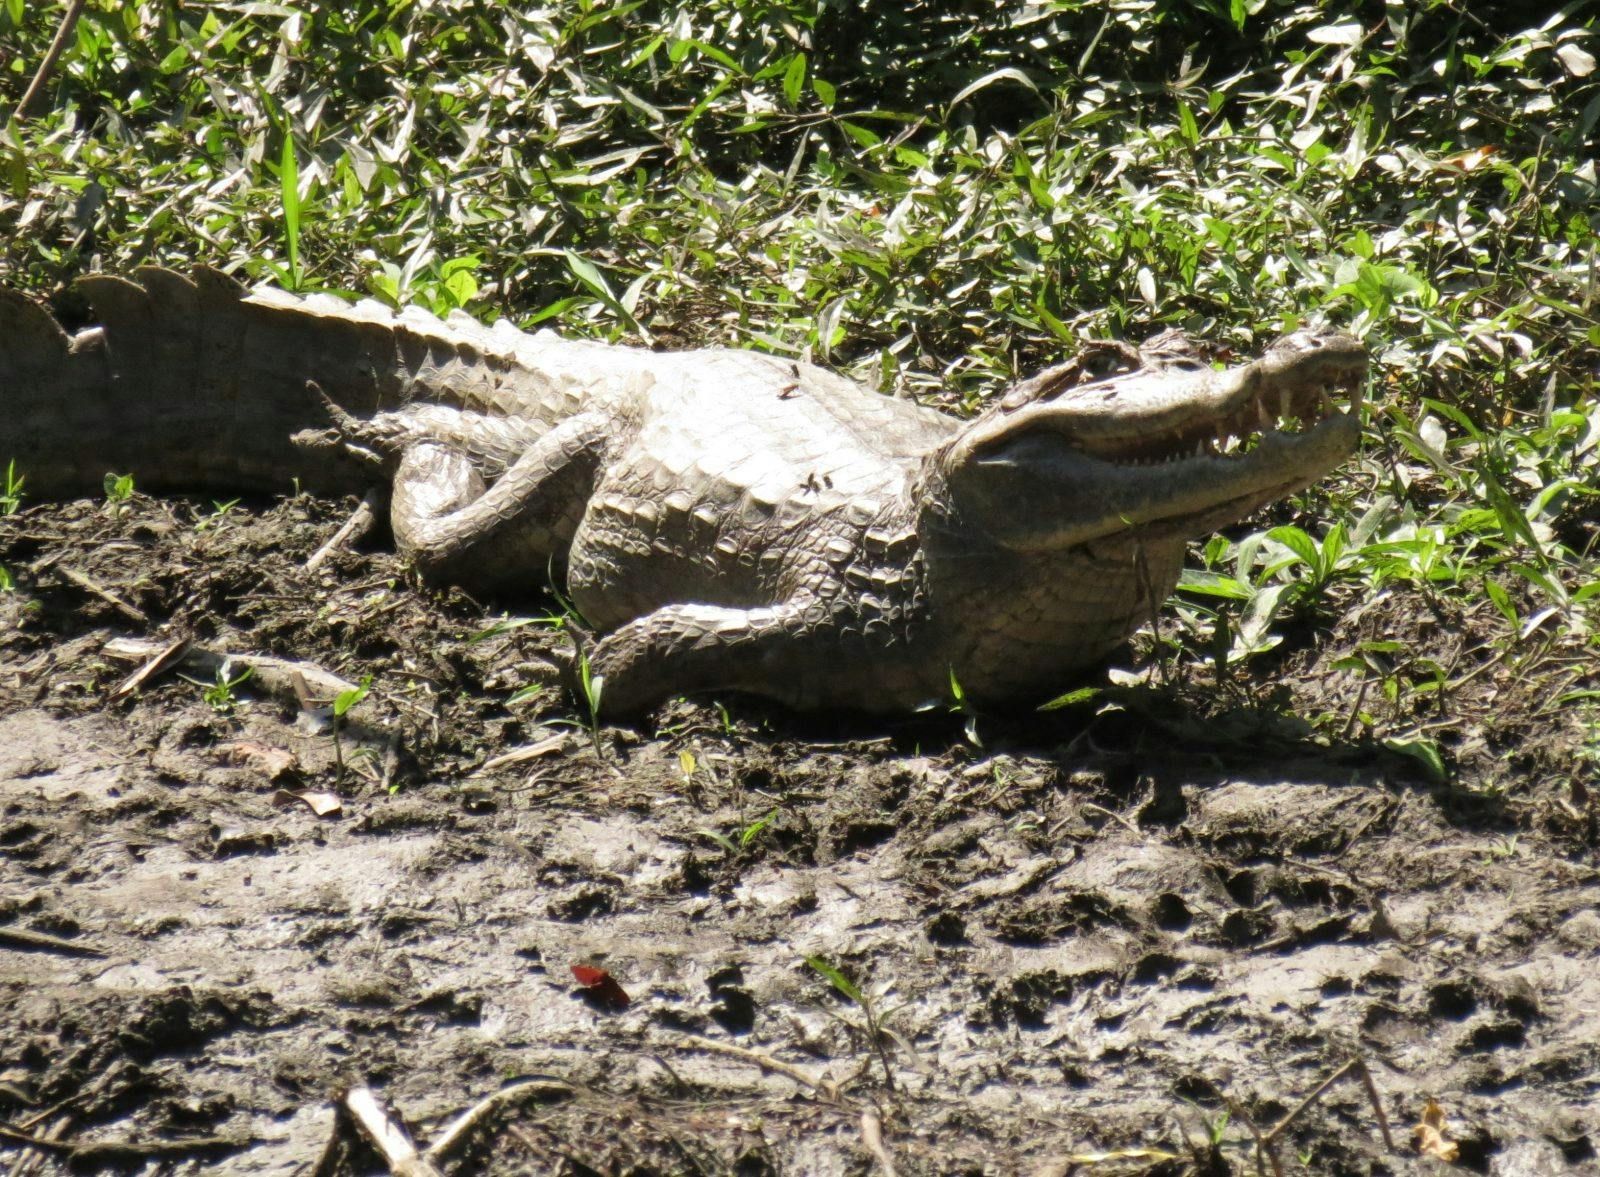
{"x":936,"y":198}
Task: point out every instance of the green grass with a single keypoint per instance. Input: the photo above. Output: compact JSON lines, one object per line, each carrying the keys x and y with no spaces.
{"x":936,"y":198}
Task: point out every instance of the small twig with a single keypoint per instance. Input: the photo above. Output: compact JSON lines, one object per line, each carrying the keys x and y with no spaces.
{"x":123,"y":1150}
{"x":387,"y":1135}
{"x":274,"y":675}
{"x":1377,"y":1103}
{"x":1114,"y":816}
{"x":1357,"y":1065}
{"x":359,"y":523}
{"x":29,"y":1159}
{"x":527,"y":752}
{"x":528,"y":1142}
{"x":450,"y":1139}
{"x":158,"y":660}
{"x":94,"y":588}
{"x":39,"y":942}
{"x":1316,"y":1093}
{"x":765,"y":1062}
{"x":58,"y":46}
{"x":1264,"y":1147}
{"x":403,"y":1157}
{"x":391,"y":761}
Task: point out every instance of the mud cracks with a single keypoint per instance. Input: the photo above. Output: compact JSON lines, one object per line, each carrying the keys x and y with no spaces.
{"x":1078,"y":938}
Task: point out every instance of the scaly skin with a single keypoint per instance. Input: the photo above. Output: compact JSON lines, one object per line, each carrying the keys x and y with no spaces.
{"x":729,"y":520}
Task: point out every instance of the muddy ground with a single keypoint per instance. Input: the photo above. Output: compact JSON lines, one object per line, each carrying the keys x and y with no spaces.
{"x":1151,"y":926}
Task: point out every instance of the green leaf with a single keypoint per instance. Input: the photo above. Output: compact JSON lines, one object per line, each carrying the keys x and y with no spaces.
{"x":860,"y":134}
{"x":1424,"y":752}
{"x":717,"y":55}
{"x":794,"y":79}
{"x":753,"y":830}
{"x":344,"y":700}
{"x":1007,"y":74}
{"x":1298,"y":542}
{"x":1186,"y":124}
{"x":1502,"y":601}
{"x":289,"y":195}
{"x":836,"y":978}
{"x":587,"y":273}
{"x":1072,"y":698}
{"x":722,"y":840}
{"x":1214,"y":584}
{"x":1512,"y":520}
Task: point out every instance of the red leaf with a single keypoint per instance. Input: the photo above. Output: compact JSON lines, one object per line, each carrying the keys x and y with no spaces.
{"x":602,"y":986}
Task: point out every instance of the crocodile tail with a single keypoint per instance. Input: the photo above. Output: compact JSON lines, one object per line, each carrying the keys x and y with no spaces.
{"x":191,"y":382}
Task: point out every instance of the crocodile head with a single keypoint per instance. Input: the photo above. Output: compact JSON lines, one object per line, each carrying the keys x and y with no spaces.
{"x":1172,"y":450}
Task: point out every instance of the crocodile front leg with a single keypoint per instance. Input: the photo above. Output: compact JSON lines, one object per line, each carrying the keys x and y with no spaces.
{"x":457,"y":527}
{"x":787,"y":652}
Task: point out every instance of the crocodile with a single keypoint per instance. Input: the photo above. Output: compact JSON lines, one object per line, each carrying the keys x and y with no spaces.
{"x":727,"y":520}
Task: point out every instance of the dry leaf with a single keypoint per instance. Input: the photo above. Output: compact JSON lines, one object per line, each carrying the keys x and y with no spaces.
{"x":1075,"y":1160}
{"x":602,"y":986}
{"x":1579,"y":62}
{"x":271,"y":761}
{"x":527,"y":752}
{"x":1429,"y":1135}
{"x":321,"y":804}
{"x":1470,"y":160}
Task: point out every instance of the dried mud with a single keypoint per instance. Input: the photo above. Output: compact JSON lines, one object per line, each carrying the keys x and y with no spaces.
{"x":1144,"y":929}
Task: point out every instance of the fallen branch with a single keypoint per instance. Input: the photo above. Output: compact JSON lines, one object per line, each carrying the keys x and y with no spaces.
{"x":39,"y":942}
{"x":1358,"y":1066}
{"x":276,"y":676}
{"x":359,"y":523}
{"x":160,"y":660}
{"x":29,"y":1159}
{"x":96,"y":589}
{"x":823,"y":1087}
{"x":451,"y":1138}
{"x":58,"y":46}
{"x":402,"y":1156}
{"x":88,"y":1151}
{"x":543,"y":747}
{"x":387,"y":1135}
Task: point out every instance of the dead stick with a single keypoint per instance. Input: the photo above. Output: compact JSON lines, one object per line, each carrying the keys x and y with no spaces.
{"x":274,"y":675}
{"x":91,"y":586}
{"x":29,"y":1159}
{"x":528,"y":1142}
{"x":123,"y":1150}
{"x":387,"y":1135}
{"x":765,"y":1062}
{"x":1377,"y":1104}
{"x":39,"y":942}
{"x":158,"y":660}
{"x":450,"y":1139}
{"x":58,"y":46}
{"x":359,"y":523}
{"x":1355,"y":1064}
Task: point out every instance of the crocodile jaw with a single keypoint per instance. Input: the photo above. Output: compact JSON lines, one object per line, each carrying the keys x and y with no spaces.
{"x":1161,"y":453}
